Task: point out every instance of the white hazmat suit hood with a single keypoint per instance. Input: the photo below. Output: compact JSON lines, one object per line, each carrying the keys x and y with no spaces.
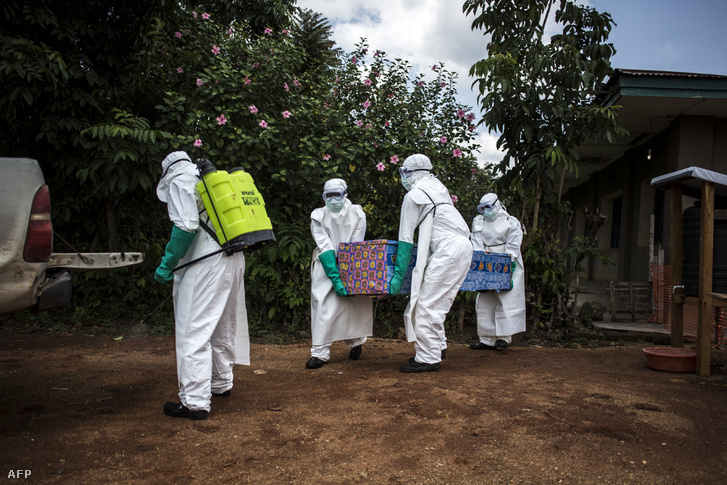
{"x":414,"y":168}
{"x":491,"y":208}
{"x":335,"y":204}
{"x":175,"y":164}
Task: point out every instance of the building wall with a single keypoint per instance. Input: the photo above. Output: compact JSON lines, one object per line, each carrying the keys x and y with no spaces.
{"x":719,"y":146}
{"x":688,"y":141}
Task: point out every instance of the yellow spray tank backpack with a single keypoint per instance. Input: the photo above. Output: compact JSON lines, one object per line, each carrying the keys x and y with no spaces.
{"x":235,"y":208}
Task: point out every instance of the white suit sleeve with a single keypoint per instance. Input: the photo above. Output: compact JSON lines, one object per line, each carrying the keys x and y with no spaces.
{"x":320,"y":236}
{"x":514,"y":239}
{"x":182,"y":205}
{"x":476,"y":234}
{"x":411,"y":216}
{"x":360,"y":232}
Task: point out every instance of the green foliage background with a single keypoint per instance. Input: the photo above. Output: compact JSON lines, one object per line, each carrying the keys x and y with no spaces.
{"x":100,"y":92}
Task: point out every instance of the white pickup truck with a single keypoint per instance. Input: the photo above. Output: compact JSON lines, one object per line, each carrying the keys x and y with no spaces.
{"x":32,"y":277}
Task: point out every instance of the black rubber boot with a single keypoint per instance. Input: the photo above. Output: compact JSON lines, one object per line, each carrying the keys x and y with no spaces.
{"x":481,"y":346}
{"x":178,"y":410}
{"x":419,"y":367}
{"x":355,"y":353}
{"x":500,"y":345}
{"x":314,"y":363}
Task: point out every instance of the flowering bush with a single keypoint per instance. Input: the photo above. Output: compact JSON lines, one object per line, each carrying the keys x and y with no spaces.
{"x":390,"y":116}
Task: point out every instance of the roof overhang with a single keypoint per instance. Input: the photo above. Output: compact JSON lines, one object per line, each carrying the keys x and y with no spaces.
{"x":648,"y":102}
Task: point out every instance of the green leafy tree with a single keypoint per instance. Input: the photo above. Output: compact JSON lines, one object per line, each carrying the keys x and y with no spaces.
{"x":538,"y":93}
{"x":254,"y":16}
{"x":314,"y":35}
{"x":67,"y":68}
{"x":102,"y":104}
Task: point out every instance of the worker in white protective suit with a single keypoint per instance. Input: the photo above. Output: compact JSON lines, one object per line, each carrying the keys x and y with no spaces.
{"x":334,"y":315}
{"x":210,"y":318}
{"x":444,"y":255}
{"x":500,"y":314}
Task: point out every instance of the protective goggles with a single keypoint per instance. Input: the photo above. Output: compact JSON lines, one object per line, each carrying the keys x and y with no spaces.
{"x":333,"y":195}
{"x":487,"y":206}
{"x":405,"y":171}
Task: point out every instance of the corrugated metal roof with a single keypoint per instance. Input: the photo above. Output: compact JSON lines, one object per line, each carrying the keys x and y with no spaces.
{"x":642,"y":72}
{"x":665,"y":84}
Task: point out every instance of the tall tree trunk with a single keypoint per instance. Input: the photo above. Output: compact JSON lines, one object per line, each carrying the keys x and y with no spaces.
{"x":560,"y":187}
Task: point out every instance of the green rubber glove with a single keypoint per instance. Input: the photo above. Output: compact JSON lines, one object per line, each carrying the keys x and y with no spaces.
{"x":178,"y":245}
{"x":512,"y":273}
{"x":403,"y":258}
{"x":328,"y":260}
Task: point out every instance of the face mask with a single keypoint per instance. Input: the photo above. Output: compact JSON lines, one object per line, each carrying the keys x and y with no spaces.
{"x":489,"y":215}
{"x":406,"y":183}
{"x":334,"y":205}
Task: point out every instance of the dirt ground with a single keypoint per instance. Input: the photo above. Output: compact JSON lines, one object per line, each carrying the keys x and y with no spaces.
{"x":88,"y":410}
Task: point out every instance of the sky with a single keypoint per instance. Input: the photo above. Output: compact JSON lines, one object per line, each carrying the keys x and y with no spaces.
{"x":662,"y":35}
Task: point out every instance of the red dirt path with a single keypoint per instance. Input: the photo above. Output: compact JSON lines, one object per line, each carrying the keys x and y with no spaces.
{"x":79,"y":410}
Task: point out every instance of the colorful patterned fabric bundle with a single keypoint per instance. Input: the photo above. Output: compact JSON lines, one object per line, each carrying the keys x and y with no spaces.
{"x":488,"y":272}
{"x":367,"y":267}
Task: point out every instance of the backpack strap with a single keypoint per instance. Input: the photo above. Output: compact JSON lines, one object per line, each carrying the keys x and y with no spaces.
{"x":434,"y":208}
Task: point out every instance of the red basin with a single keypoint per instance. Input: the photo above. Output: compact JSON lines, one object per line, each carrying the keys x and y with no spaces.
{"x":671,"y":359}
